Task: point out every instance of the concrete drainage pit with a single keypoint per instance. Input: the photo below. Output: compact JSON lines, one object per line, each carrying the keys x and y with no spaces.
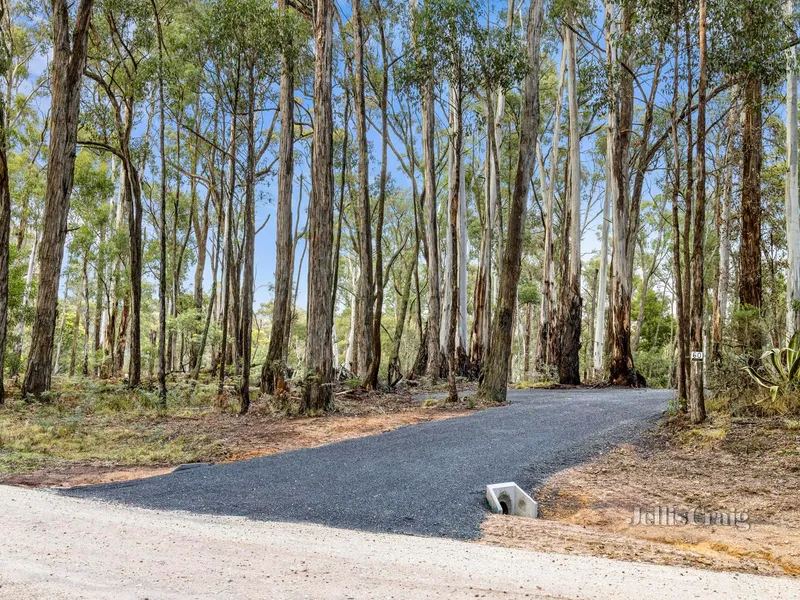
{"x":510,"y":499}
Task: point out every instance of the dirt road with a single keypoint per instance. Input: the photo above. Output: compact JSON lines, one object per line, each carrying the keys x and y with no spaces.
{"x":56,"y":547}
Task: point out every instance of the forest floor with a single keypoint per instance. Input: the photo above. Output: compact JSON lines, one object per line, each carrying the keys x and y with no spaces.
{"x":749,"y":465}
{"x":90,"y":431}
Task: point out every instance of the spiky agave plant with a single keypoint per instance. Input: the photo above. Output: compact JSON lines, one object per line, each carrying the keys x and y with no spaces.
{"x":781,"y":368}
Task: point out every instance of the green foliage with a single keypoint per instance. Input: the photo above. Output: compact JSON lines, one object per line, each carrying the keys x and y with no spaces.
{"x":780,"y":369}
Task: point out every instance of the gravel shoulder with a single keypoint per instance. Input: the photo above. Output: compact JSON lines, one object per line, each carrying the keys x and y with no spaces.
{"x":54,"y":547}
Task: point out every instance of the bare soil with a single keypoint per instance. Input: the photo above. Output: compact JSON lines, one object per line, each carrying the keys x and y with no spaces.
{"x":742,"y":465}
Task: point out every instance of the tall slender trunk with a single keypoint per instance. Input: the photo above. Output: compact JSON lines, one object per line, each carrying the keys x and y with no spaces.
{"x":792,"y":202}
{"x":5,"y":231}
{"x":750,"y":251}
{"x":543,"y":359}
{"x":571,"y":302}
{"x":249,"y":245}
{"x":365,"y":282}
{"x":598,"y":343}
{"x":66,"y":66}
{"x":452,"y":355}
{"x":497,"y":366}
{"x":374,"y":368}
{"x":697,"y":408}
{"x":317,"y":394}
{"x":278,"y":342}
{"x":162,"y":222}
{"x":434,"y":366}
{"x":227,"y":250}
{"x":682,"y":336}
{"x":622,"y":370}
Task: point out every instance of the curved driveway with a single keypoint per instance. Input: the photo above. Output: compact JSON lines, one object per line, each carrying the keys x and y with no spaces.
{"x":425,"y":479}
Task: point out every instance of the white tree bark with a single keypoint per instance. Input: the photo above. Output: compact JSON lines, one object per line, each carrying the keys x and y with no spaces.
{"x":792,"y":206}
{"x":463,"y":256}
{"x":602,"y":287}
{"x":447,"y":304}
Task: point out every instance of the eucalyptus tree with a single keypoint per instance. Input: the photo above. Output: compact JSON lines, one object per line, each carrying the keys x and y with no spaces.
{"x":5,"y":192}
{"x":494,"y":384}
{"x":792,"y":188}
{"x":317,"y":393}
{"x":69,"y":58}
{"x":697,"y":409}
{"x":571,"y":301}
{"x":274,"y":367}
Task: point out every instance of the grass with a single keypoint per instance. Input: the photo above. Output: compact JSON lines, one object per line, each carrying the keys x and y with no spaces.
{"x":89,"y":420}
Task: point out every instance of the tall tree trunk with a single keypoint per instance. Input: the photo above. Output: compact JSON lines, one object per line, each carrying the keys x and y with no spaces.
{"x":227,"y":250}
{"x":249,"y":246}
{"x":598,"y":343}
{"x":571,"y":302}
{"x":544,"y":359}
{"x":317,"y":394}
{"x":452,"y":348}
{"x":273,"y":364}
{"x":792,"y":202}
{"x":494,"y":384}
{"x":682,"y":337}
{"x":135,"y":233}
{"x":374,"y":368}
{"x":750,"y":252}
{"x":365,"y":282}
{"x":162,"y":223}
{"x":434,"y":366}
{"x":750,"y":247}
{"x":622,"y":370}
{"x":697,"y":408}
{"x":5,"y":231}
{"x":67,"y":64}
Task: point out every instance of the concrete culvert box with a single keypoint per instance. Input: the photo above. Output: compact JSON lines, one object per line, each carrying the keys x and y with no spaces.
{"x":510,"y":499}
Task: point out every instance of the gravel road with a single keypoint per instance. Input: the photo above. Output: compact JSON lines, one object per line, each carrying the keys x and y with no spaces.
{"x":427,"y":479}
{"x":55,"y":548}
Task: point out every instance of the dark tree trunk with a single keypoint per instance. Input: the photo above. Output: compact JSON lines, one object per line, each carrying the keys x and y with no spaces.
{"x":496,"y":366}
{"x":750,"y":250}
{"x":5,"y":230}
{"x":67,"y":65}
{"x":452,"y":355}
{"x":697,"y":409}
{"x":364,"y":311}
{"x":374,"y":368}
{"x":317,"y":394}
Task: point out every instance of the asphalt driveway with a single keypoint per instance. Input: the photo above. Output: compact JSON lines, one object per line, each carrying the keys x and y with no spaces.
{"x":425,"y":479}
